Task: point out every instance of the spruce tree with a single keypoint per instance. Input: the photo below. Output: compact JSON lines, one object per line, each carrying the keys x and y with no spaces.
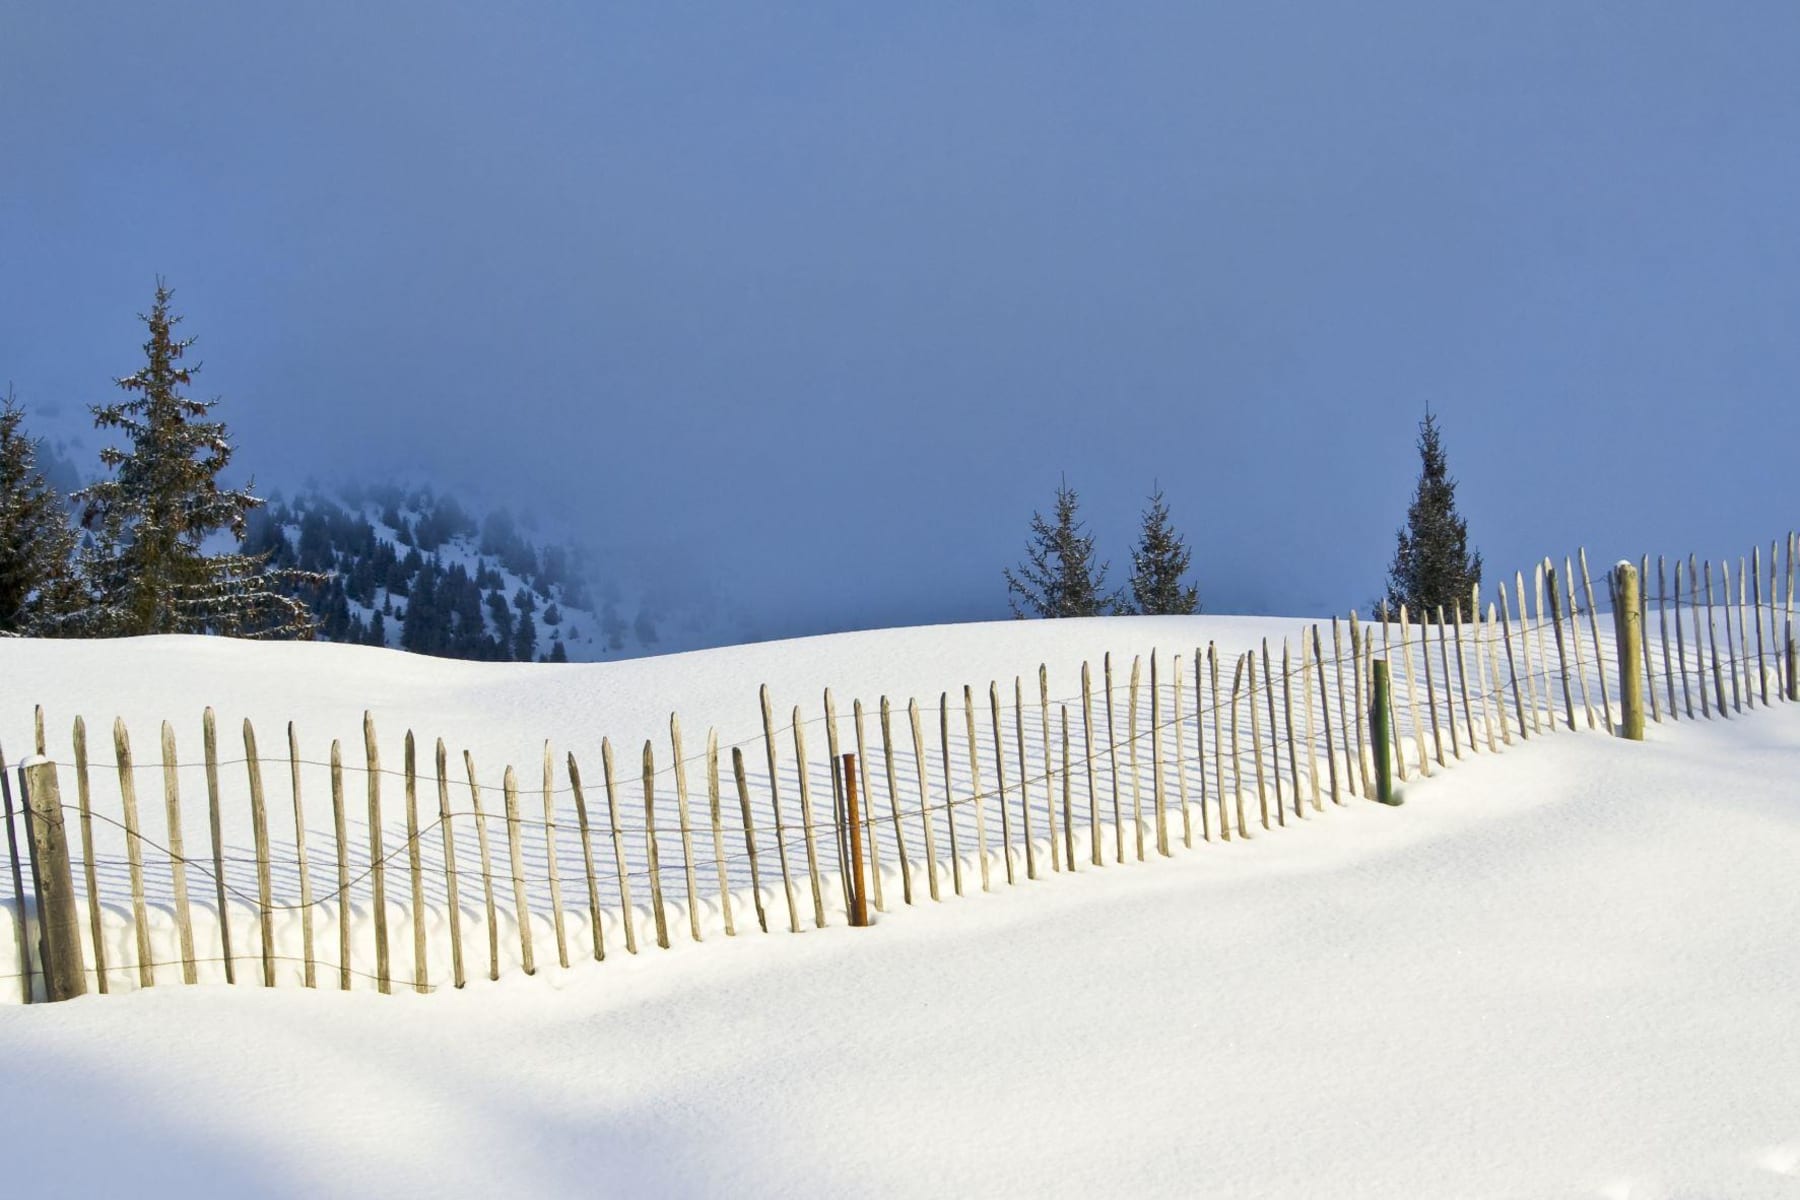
{"x":1159,"y":560}
{"x":37,"y":582}
{"x":148,"y":568}
{"x":1432,"y":564}
{"x":1059,"y":577}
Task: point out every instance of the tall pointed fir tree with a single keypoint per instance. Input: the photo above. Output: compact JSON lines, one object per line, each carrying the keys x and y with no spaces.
{"x":147,"y":565}
{"x":1432,"y":565}
{"x":1159,"y":561}
{"x":1059,"y":577}
{"x":38,"y":587}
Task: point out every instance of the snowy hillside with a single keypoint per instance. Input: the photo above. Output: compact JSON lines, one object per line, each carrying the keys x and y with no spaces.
{"x":1558,"y":970}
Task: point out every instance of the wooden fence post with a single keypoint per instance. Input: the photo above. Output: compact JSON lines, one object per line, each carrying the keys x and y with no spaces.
{"x":65,"y":971}
{"x":1380,"y":734}
{"x":859,"y":892}
{"x":1629,"y":618}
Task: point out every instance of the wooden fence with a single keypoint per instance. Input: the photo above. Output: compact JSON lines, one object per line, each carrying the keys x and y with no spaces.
{"x":352,"y":879}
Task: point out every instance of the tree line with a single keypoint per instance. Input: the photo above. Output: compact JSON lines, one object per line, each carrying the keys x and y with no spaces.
{"x":1062,"y":576}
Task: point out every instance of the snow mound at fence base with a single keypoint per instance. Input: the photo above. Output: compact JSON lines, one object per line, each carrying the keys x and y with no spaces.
{"x":1562,"y":971}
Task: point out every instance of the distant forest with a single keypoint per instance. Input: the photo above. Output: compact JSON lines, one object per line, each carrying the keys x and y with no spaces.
{"x":416,"y":570}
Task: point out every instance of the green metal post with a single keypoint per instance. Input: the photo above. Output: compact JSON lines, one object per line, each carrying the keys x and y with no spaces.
{"x":1380,"y":710}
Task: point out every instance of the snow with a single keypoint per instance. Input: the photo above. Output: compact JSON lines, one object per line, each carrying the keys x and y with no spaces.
{"x":1562,"y":970}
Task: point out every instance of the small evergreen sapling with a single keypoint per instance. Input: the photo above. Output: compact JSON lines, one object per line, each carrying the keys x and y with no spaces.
{"x":37,"y":582}
{"x":1432,"y":564}
{"x":147,"y":567}
{"x":1159,"y":561}
{"x":1059,"y":577}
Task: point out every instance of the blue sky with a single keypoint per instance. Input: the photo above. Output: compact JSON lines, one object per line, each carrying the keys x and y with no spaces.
{"x":815,"y":303}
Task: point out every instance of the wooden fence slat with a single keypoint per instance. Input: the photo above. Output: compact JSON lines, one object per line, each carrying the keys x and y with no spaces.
{"x":1088,"y":757}
{"x":1531,"y":671}
{"x":1358,"y":727}
{"x":977,"y":798}
{"x":441,"y":761}
{"x":1025,"y":780}
{"x":596,"y":928}
{"x":1237,"y":780}
{"x":26,"y":972}
{"x":743,"y":790}
{"x":787,"y":886}
{"x":415,"y":865}
{"x":1112,"y":761}
{"x":184,"y":920}
{"x":656,"y":896}
{"x":1200,"y":742}
{"x":1181,"y":786}
{"x":1397,"y":751}
{"x":37,"y":884}
{"x":1493,"y":664}
{"x":1331,"y":762}
{"x":134,"y":852}
{"x":1587,"y":587}
{"x":1762,"y":676}
{"x":1412,"y":694}
{"x":259,"y":825}
{"x":310,"y":963}
{"x":1700,"y":644}
{"x":1350,"y":742}
{"x":833,"y":759}
{"x":1687,"y":694}
{"x":1068,"y":810}
{"x":1550,"y":580}
{"x":1712,"y":635}
{"x":685,"y":826}
{"x":552,"y":869}
{"x":1305,"y":707}
{"x":96,"y":922}
{"x":377,"y":856}
{"x":1431,"y":704}
{"x":1575,"y":636}
{"x":1212,"y":662}
{"x":343,"y":863}
{"x":1056,"y":857}
{"x":1740,"y":650}
{"x":949,"y":791}
{"x":1274,"y":733}
{"x":1159,"y":801}
{"x":808,"y":824}
{"x":893,"y":788}
{"x":487,"y":868}
{"x":1746,"y":666}
{"x":1131,"y":741}
{"x":1543,"y":654}
{"x":923,"y":776}
{"x":718,"y":830}
{"x":1006,"y":849}
{"x":1644,"y":641}
{"x":1361,"y":649}
{"x":1255,"y":736}
{"x":1462,"y":680}
{"x":1449,"y":686}
{"x":1477,"y":638}
{"x":509,"y":792}
{"x":871,"y":822}
{"x":1287,"y":711}
{"x":210,"y":743}
{"x":1662,"y":626}
{"x":1512,"y":669}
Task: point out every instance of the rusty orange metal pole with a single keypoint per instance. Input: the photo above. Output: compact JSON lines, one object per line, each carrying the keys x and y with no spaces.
{"x":859,"y":897}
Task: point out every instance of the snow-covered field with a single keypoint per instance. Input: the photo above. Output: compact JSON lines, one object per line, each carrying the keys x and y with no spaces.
{"x":1563,"y":970}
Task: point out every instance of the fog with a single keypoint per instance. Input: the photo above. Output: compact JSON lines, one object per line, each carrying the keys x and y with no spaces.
{"x":811,"y":306}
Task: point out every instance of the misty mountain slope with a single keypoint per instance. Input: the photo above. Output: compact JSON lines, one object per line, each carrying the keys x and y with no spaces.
{"x":416,"y":569}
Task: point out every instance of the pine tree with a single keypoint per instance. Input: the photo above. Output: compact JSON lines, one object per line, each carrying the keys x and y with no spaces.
{"x":1059,"y":577}
{"x":147,"y":568}
{"x":37,"y":581}
{"x":1432,"y":564}
{"x":1158,"y":563}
